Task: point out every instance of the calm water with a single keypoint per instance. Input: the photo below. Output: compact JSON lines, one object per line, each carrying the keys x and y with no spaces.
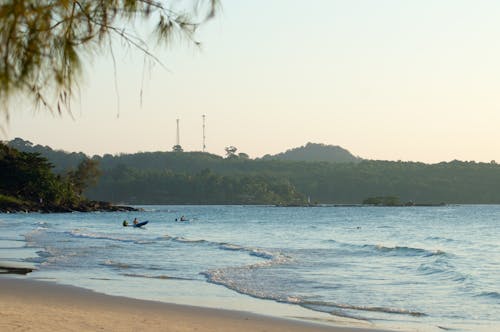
{"x":432,"y":268}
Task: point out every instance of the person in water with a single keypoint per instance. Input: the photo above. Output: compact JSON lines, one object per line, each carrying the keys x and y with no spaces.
{"x":125,"y":223}
{"x":183,"y":218}
{"x":136,"y":221}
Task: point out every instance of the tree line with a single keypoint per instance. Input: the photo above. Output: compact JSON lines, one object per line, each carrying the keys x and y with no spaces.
{"x":28,"y":183}
{"x":341,"y":183}
{"x":203,"y":178}
{"x":132,"y":185}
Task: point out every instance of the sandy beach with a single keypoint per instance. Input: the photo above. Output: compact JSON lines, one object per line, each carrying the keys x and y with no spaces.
{"x":27,"y":305}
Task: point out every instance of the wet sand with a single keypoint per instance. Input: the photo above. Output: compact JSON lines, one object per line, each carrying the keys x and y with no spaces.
{"x":27,"y":305}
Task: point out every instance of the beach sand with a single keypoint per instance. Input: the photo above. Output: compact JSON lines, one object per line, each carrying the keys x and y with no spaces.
{"x":27,"y":305}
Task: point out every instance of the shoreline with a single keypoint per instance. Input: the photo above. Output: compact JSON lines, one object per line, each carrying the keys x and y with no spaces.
{"x":14,"y":206}
{"x":33,"y":305}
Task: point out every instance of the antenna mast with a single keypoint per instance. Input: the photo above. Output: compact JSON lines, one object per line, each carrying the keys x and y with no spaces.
{"x":177,"y":142}
{"x":204,"y":146}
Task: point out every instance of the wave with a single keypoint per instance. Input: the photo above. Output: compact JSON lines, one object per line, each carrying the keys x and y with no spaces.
{"x":263,"y":254}
{"x":439,"y":238}
{"x":234,"y":279}
{"x":54,"y":256}
{"x":230,"y":247}
{"x":398,"y":311}
{"x":444,"y":270}
{"x":330,"y":307}
{"x":145,"y":241}
{"x":242,"y":279}
{"x":408,"y":251}
{"x":120,"y":265}
{"x":445,"y":328}
{"x":45,"y":253}
{"x":124,"y":266}
{"x":223,"y":276}
{"x":491,"y":295}
{"x":161,"y":276}
{"x":184,"y":240}
{"x":42,"y":225}
{"x":90,"y":235}
{"x":257,"y":252}
{"x":32,"y":235}
{"x":429,"y":269}
{"x":36,"y":260}
{"x":394,"y":250}
{"x":229,"y":279}
{"x":270,"y":257}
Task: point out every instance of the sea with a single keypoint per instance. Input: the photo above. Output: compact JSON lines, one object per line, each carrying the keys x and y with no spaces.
{"x":407,"y":268}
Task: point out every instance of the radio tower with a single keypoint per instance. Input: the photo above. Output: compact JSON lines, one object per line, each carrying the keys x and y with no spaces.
{"x":177,"y":141}
{"x":204,"y":146}
{"x":177,"y":147}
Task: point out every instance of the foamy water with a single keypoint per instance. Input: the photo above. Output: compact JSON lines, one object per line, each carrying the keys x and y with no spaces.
{"x":430,"y":268}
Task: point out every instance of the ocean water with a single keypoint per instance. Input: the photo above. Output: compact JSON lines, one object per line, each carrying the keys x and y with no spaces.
{"x":415,"y":268}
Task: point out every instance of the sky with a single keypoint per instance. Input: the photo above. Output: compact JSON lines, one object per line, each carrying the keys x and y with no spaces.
{"x":387,"y":79}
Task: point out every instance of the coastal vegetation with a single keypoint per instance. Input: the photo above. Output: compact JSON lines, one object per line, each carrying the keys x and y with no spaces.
{"x":27,"y":183}
{"x":203,"y":178}
{"x":124,"y":184}
{"x":383,"y":201}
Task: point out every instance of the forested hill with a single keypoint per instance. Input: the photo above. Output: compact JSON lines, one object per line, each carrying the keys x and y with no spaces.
{"x":61,"y":160}
{"x":174,"y":178}
{"x":27,"y":183}
{"x":195,"y":177}
{"x":191,"y":161}
{"x":315,"y":152}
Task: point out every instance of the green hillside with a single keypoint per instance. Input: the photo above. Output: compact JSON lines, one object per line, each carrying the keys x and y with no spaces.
{"x":28,"y":183}
{"x":202,"y":178}
{"x":316,"y":152}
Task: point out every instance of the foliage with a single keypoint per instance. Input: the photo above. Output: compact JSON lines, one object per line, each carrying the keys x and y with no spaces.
{"x":382,"y":201}
{"x":42,"y":42}
{"x":243,"y":155}
{"x":26,"y":179}
{"x":10,"y":201}
{"x":177,"y":148}
{"x":85,"y":175}
{"x":25,"y":175}
{"x":124,"y":184}
{"x":448,"y":182}
{"x":230,"y":151}
{"x":61,"y":160}
{"x":315,"y":152}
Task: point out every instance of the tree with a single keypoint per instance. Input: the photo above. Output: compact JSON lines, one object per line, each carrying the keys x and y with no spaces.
{"x":243,"y":155}
{"x":230,"y":151}
{"x":24,"y":175}
{"x":42,"y":42}
{"x":177,"y":148}
{"x":85,"y":175}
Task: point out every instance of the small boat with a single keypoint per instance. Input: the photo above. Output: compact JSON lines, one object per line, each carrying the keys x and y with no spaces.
{"x":141,"y":224}
{"x":125,"y":224}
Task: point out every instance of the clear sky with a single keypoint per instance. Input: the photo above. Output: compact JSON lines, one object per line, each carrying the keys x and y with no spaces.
{"x":386,"y":79}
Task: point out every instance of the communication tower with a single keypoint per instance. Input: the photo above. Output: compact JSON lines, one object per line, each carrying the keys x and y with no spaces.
{"x":177,"y":141}
{"x":204,"y":146}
